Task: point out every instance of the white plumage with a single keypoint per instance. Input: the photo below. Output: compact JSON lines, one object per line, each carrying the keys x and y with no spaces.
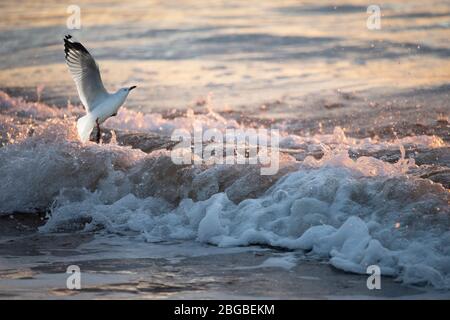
{"x":99,"y":104}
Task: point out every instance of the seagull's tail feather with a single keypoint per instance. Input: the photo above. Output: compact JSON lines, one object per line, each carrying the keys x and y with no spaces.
{"x":85,"y":125}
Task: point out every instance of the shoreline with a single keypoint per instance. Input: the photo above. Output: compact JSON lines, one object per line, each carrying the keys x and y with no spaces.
{"x":205,"y":272}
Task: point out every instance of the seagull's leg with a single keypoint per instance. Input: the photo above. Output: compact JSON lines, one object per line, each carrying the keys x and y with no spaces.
{"x":98,"y":131}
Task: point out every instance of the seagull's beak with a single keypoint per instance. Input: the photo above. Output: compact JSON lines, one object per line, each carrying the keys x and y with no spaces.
{"x":131,"y":88}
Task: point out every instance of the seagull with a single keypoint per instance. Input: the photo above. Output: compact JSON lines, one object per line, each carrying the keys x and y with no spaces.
{"x":98,"y":103}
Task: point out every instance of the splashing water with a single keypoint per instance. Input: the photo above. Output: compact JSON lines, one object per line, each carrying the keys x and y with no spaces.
{"x":354,"y":211}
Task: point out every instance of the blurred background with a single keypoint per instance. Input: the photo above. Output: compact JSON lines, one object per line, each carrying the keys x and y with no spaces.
{"x":281,"y":59}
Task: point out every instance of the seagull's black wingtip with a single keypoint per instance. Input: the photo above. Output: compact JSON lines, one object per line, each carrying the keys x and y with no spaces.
{"x":69,"y":45}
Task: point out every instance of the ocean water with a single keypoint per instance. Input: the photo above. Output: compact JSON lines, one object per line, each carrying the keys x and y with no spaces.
{"x":352,"y":212}
{"x":245,"y":54}
{"x":362,"y":117}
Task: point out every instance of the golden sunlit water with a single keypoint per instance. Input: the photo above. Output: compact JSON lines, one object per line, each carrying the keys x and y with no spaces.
{"x":245,"y":53}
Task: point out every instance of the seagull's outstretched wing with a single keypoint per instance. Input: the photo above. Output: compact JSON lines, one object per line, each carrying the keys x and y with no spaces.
{"x":85,"y":73}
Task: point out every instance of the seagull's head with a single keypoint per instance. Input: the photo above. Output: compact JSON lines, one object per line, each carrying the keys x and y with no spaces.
{"x":127,"y":89}
{"x":123,"y":93}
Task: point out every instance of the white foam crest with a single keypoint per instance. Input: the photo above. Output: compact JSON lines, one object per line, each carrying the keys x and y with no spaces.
{"x":332,"y":212}
{"x":136,"y":121}
{"x":34,"y":110}
{"x":365,"y":166}
{"x":340,"y":139}
{"x":35,"y":169}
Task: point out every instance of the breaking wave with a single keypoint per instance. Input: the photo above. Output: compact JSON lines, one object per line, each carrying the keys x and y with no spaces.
{"x":334,"y":196}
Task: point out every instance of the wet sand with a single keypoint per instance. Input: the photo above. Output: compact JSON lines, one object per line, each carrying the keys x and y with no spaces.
{"x":234,"y":273}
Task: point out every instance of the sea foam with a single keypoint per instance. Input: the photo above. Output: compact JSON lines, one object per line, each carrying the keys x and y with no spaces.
{"x":354,"y":212}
